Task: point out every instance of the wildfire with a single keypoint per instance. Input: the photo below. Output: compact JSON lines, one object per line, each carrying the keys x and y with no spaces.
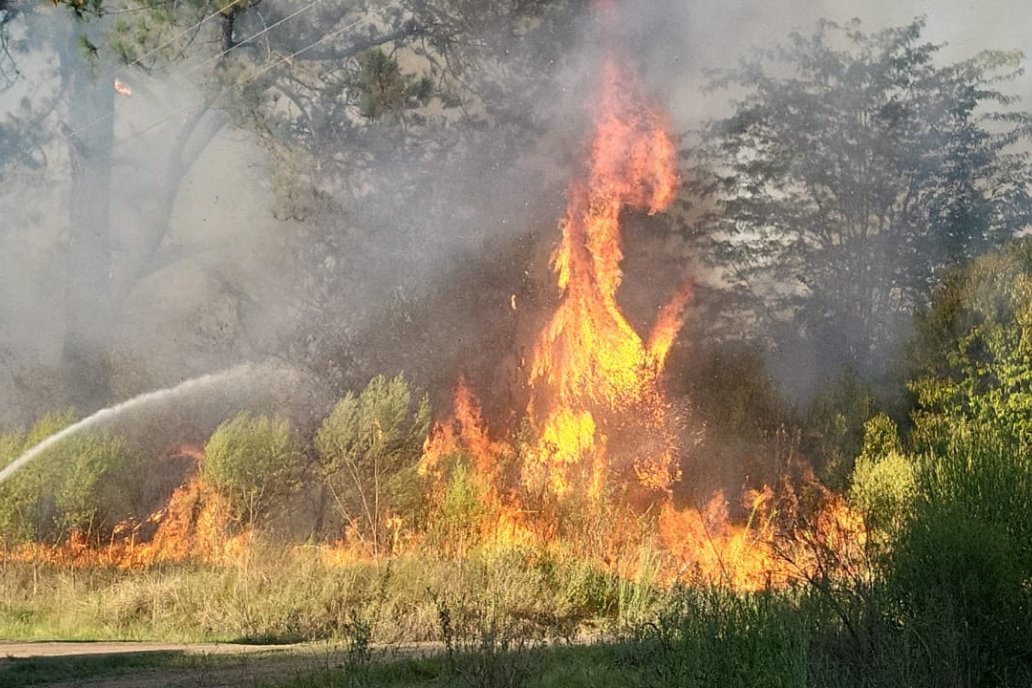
{"x":600,"y":433}
{"x":589,"y":366}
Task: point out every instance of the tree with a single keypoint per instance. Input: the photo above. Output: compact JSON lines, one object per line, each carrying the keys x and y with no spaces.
{"x":368,"y":450}
{"x":971,"y":356}
{"x":255,"y":462}
{"x":852,"y":172}
{"x":96,"y":272}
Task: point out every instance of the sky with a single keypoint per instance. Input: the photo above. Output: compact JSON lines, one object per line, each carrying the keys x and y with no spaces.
{"x":709,"y":34}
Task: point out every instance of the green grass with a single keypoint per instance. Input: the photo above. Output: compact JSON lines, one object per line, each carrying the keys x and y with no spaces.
{"x":587,"y":666}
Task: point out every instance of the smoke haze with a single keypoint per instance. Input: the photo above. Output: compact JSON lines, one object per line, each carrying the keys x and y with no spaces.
{"x":228,"y":280}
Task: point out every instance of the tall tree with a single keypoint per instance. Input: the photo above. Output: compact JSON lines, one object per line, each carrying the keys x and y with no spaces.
{"x":364,"y":107}
{"x":854,"y":168}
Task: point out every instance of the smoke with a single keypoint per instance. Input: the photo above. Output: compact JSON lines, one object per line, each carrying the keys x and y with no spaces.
{"x":412,"y":271}
{"x":244,"y":386}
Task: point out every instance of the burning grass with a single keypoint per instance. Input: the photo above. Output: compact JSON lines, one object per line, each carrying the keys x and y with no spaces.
{"x":591,"y":474}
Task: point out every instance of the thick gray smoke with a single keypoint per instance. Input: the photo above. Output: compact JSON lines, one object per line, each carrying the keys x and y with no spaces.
{"x":221,"y":252}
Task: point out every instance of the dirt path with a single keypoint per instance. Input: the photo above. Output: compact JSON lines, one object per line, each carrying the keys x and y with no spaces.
{"x":21,"y":650}
{"x":163,"y":665}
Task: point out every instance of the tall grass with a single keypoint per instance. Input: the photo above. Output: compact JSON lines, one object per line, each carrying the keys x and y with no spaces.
{"x":281,"y":594}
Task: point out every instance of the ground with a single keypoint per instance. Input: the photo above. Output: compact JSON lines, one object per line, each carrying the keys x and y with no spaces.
{"x":158,"y":665}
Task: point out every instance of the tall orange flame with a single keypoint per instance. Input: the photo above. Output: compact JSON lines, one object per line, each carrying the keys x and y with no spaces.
{"x":589,"y":363}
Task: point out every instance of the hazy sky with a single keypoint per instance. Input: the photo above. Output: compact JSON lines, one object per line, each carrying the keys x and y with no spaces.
{"x":705,"y":34}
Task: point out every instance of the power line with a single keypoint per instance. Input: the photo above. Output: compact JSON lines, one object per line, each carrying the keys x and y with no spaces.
{"x":89,"y":125}
{"x":261,"y":72}
{"x":179,"y":35}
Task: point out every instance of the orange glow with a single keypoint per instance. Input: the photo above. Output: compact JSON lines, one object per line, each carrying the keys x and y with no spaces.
{"x":589,"y":367}
{"x":193,"y":526}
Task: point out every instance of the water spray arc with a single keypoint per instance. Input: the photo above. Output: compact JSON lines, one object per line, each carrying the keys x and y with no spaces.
{"x":181,"y":392}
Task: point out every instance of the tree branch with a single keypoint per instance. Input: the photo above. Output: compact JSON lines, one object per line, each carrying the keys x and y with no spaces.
{"x":409,"y":30}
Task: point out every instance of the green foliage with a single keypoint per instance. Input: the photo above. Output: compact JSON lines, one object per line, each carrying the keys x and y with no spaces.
{"x":883,"y":485}
{"x":368,"y":448}
{"x":256,"y":462}
{"x":972,"y":355}
{"x":746,"y":425}
{"x":733,"y":391}
{"x":460,"y":511}
{"x":384,"y":89}
{"x":86,"y":483}
{"x":857,"y":168}
{"x":955,"y":501}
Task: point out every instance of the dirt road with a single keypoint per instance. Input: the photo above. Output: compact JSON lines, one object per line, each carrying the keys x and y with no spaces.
{"x":160,"y":665}
{"x":11,"y":649}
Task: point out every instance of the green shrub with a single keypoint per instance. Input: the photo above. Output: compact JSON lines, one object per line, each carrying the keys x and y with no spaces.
{"x":87,"y":483}
{"x":961,"y":564}
{"x":255,"y":462}
{"x":368,"y":448}
{"x":883,"y":486}
{"x":460,"y":514}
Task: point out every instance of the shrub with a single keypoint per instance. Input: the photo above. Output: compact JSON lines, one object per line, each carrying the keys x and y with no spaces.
{"x":883,"y":486}
{"x":86,"y":483}
{"x":368,"y":448}
{"x":460,"y":513}
{"x":255,"y":462}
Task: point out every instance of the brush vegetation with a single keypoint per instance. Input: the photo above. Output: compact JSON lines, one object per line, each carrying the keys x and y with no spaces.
{"x":862,"y":225}
{"x":942,"y":599}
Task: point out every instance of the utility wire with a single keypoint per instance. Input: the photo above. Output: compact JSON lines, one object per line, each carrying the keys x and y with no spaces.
{"x":183,"y":76}
{"x":261,"y":72}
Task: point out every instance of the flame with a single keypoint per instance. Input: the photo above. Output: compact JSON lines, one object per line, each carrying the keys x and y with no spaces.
{"x":781,"y":541}
{"x":194,"y":525}
{"x":601,"y":431}
{"x":589,"y":365}
{"x":464,"y":432}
